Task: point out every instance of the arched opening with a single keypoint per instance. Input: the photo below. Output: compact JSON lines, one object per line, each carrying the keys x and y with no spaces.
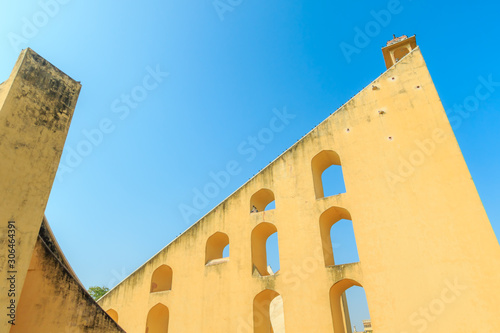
{"x":262,"y":200}
{"x":161,"y":280}
{"x":337,"y":236}
{"x":348,"y":305}
{"x":259,"y":238}
{"x":268,"y":315}
{"x":400,"y":53}
{"x":157,"y":321}
{"x":113,"y":314}
{"x":214,"y":251}
{"x":330,"y":182}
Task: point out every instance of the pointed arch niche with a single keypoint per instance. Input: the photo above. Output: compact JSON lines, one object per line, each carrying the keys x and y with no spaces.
{"x":157,"y":321}
{"x":263,"y":320}
{"x":348,"y":305}
{"x":337,"y":237}
{"x":113,"y":314}
{"x":217,"y":248}
{"x":327,"y":174}
{"x":262,"y":200}
{"x":259,"y":238}
{"x":161,"y":280}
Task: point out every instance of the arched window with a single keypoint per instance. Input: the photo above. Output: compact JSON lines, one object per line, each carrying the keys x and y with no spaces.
{"x":157,"y":321}
{"x":259,"y":238}
{"x":161,"y":279}
{"x":330,"y":182}
{"x":268,"y":312}
{"x":113,"y":314}
{"x":217,"y":244}
{"x":337,"y":236}
{"x":348,"y":305}
{"x":262,"y":200}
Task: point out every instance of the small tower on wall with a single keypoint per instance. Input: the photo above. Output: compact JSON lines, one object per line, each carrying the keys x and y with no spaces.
{"x":397,"y":48}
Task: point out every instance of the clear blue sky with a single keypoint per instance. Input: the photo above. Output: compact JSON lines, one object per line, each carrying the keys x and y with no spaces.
{"x":227,"y":71}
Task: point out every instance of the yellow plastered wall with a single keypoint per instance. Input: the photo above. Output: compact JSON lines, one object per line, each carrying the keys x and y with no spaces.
{"x":36,"y":107}
{"x":53,"y":301}
{"x":423,"y":237}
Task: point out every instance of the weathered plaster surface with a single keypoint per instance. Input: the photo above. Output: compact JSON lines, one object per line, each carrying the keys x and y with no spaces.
{"x":419,"y":225}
